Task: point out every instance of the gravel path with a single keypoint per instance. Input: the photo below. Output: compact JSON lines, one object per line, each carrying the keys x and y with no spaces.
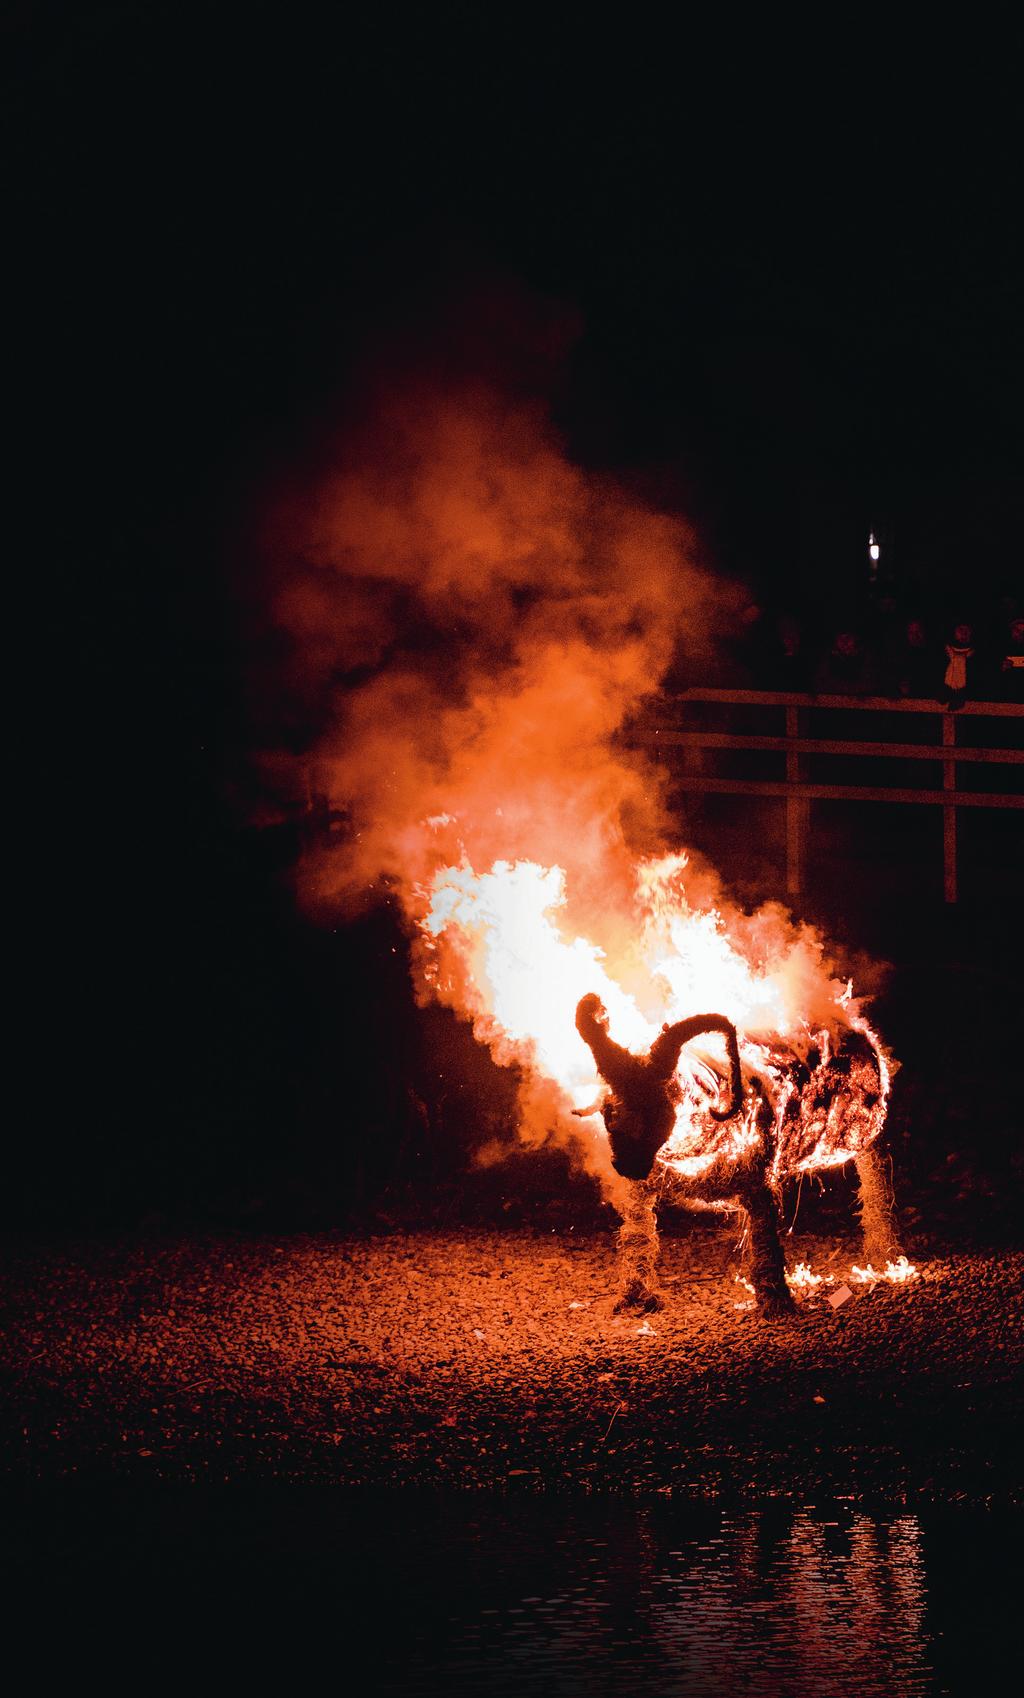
{"x":474,"y":1359}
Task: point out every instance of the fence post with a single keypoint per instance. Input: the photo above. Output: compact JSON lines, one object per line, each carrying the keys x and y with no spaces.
{"x":949,"y":812}
{"x":796,"y":811}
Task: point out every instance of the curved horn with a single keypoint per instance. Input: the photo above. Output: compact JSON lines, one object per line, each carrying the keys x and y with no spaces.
{"x":615,"y":1064}
{"x":666,"y":1049}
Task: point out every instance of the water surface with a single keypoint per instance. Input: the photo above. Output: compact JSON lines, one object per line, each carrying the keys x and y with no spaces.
{"x":448,"y":1594}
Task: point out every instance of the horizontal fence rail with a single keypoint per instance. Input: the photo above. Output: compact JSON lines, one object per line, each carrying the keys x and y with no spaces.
{"x":660,"y":732}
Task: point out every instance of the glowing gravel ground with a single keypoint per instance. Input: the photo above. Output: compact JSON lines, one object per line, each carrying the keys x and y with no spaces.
{"x":480,"y":1359}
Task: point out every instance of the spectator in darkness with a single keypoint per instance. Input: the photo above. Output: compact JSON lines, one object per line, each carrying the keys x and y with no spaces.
{"x":915,"y":667}
{"x":787,"y":666}
{"x":958,"y":653}
{"x":1011,"y":670}
{"x":845,"y":670}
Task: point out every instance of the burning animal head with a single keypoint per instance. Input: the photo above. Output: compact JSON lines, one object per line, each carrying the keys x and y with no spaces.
{"x":639,"y":1110}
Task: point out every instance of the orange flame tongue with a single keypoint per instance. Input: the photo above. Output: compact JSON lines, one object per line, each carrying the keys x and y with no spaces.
{"x":897,"y":1272}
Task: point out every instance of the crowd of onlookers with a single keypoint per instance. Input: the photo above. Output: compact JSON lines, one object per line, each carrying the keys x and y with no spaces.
{"x":892,"y":651}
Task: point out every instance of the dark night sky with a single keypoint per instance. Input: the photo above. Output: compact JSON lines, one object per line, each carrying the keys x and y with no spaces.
{"x":796,"y":267}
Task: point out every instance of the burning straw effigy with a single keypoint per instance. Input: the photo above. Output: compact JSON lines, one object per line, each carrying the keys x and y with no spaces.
{"x":788,"y":1117}
{"x":714,"y":1110}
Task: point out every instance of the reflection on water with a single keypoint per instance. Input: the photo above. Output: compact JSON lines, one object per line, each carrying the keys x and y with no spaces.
{"x":627,"y":1599}
{"x":466,"y":1594}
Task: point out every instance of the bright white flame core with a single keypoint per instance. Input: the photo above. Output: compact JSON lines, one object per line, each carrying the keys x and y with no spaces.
{"x":526,"y":976}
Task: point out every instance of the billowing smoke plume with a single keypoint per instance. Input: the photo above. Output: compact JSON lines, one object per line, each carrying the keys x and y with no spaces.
{"x":474,"y":617}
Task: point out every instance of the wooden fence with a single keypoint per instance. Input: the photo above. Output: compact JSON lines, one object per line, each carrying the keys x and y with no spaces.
{"x":664,"y":730}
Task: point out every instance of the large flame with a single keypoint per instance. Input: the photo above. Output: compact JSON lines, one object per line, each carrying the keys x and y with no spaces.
{"x":496,"y":946}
